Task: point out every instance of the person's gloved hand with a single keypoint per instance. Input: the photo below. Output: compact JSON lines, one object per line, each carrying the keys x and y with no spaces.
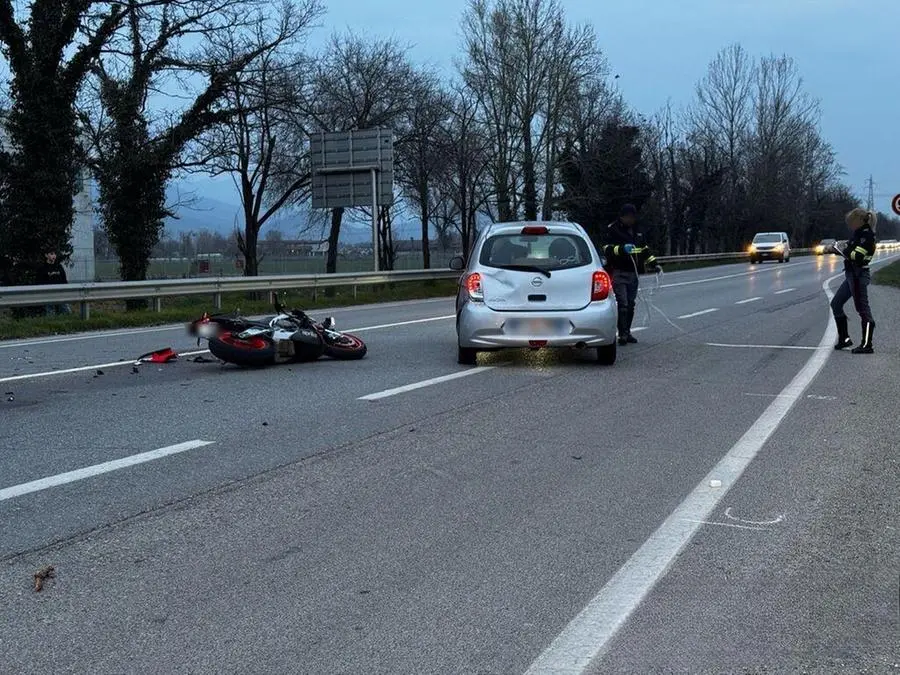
{"x":628,"y":248}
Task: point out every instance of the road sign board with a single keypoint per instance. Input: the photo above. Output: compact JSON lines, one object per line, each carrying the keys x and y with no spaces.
{"x":895,"y":204}
{"x":342,"y":165}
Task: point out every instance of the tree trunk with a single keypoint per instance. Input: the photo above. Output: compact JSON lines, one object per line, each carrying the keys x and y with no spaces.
{"x":251,"y":250}
{"x":529,"y":177}
{"x":386,"y":237}
{"x":334,"y":236}
{"x":426,"y":245}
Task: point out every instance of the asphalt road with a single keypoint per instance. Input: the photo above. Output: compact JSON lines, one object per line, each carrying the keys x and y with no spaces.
{"x":403,"y":514}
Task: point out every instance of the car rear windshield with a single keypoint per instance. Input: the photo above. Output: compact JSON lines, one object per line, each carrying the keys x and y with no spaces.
{"x":546,"y":251}
{"x":767,"y":239}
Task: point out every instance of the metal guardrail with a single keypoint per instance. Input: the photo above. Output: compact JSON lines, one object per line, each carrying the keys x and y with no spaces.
{"x":86,"y":293}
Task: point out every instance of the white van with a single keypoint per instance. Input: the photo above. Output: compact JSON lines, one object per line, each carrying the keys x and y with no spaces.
{"x":770,"y":246}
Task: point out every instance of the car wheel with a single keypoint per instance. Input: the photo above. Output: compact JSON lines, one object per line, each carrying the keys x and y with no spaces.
{"x":606,"y":355}
{"x":467,"y":357}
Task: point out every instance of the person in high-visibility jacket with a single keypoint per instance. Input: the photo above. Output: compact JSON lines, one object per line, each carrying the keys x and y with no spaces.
{"x":626,"y":257}
{"x":857,"y":255}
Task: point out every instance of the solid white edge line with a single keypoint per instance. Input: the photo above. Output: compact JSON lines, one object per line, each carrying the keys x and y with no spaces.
{"x":424,"y":383}
{"x":98,"y":469}
{"x":705,"y":311}
{"x":100,"y":366}
{"x":586,"y":638}
{"x":744,"y":302}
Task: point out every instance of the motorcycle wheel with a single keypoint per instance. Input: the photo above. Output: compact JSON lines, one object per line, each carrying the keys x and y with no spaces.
{"x":255,"y":351}
{"x":347,"y":347}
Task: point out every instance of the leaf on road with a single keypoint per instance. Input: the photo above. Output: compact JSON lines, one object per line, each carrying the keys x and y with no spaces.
{"x":47,"y":572}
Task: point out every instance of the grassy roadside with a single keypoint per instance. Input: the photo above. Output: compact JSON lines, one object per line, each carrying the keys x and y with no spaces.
{"x":108,"y":315}
{"x":889,"y":275}
{"x":111,"y":315}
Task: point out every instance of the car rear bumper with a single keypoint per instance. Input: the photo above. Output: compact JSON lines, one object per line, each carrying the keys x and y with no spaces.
{"x":482,"y":327}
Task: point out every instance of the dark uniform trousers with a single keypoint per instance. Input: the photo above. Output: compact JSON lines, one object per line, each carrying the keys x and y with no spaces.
{"x":625,"y":287}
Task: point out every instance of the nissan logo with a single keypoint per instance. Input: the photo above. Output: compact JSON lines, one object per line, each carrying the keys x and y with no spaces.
{"x":537,"y":281}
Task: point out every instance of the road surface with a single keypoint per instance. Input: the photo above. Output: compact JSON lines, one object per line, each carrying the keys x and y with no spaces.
{"x":726,"y":498}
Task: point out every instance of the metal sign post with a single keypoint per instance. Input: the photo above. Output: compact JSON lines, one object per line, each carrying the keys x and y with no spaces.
{"x":376,"y":240}
{"x":352,"y":169}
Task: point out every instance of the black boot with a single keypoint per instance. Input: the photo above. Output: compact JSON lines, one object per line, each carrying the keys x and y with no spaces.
{"x":623,"y":327}
{"x":629,"y":338}
{"x":843,"y":340}
{"x":865,"y":347}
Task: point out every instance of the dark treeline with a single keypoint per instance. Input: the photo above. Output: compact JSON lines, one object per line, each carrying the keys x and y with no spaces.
{"x":529,"y":126}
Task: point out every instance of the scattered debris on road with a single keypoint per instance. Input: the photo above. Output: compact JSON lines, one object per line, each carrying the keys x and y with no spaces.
{"x":202,"y":359}
{"x":47,"y":572}
{"x":158,"y":356}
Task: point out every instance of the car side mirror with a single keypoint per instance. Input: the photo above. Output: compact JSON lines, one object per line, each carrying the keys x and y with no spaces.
{"x":457,"y":264}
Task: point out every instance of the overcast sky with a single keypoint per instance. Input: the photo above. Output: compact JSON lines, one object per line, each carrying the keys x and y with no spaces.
{"x":847,"y":51}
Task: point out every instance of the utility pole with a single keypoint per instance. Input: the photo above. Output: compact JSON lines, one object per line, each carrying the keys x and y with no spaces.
{"x":870,"y":197}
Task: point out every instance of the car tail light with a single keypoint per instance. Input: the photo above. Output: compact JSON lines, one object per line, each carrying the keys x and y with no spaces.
{"x":534,"y":229}
{"x":473,"y":286}
{"x":600,"y":286}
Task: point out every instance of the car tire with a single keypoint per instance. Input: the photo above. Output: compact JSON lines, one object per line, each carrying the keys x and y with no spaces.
{"x":606,"y":355}
{"x":466,"y":356}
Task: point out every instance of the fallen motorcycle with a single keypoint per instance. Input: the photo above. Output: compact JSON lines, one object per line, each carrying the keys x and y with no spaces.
{"x":289,"y":336}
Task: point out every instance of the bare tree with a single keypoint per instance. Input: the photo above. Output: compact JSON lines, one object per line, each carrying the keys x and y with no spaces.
{"x":135,"y":156}
{"x":783,"y":114}
{"x":358,"y":84}
{"x":419,"y":156}
{"x":467,"y":149}
{"x":721,"y":120}
{"x":492,"y":75}
{"x":257,"y":145}
{"x":524,"y":63}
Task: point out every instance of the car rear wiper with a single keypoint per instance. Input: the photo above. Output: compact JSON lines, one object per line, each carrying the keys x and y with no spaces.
{"x":525,"y":268}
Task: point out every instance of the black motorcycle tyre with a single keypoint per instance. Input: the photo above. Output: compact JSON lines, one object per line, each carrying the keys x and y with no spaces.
{"x":256,"y":353}
{"x":346,"y":352}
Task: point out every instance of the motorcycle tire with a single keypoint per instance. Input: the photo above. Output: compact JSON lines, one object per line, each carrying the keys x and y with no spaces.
{"x":255,"y":351}
{"x":348,"y":349}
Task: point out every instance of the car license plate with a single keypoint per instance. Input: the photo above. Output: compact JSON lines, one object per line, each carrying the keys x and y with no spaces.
{"x":532,"y":327}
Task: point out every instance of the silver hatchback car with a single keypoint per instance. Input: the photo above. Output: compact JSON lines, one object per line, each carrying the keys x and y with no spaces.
{"x":534,"y":285}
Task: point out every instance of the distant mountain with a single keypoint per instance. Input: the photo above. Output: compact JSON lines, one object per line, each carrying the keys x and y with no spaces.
{"x":196,"y":212}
